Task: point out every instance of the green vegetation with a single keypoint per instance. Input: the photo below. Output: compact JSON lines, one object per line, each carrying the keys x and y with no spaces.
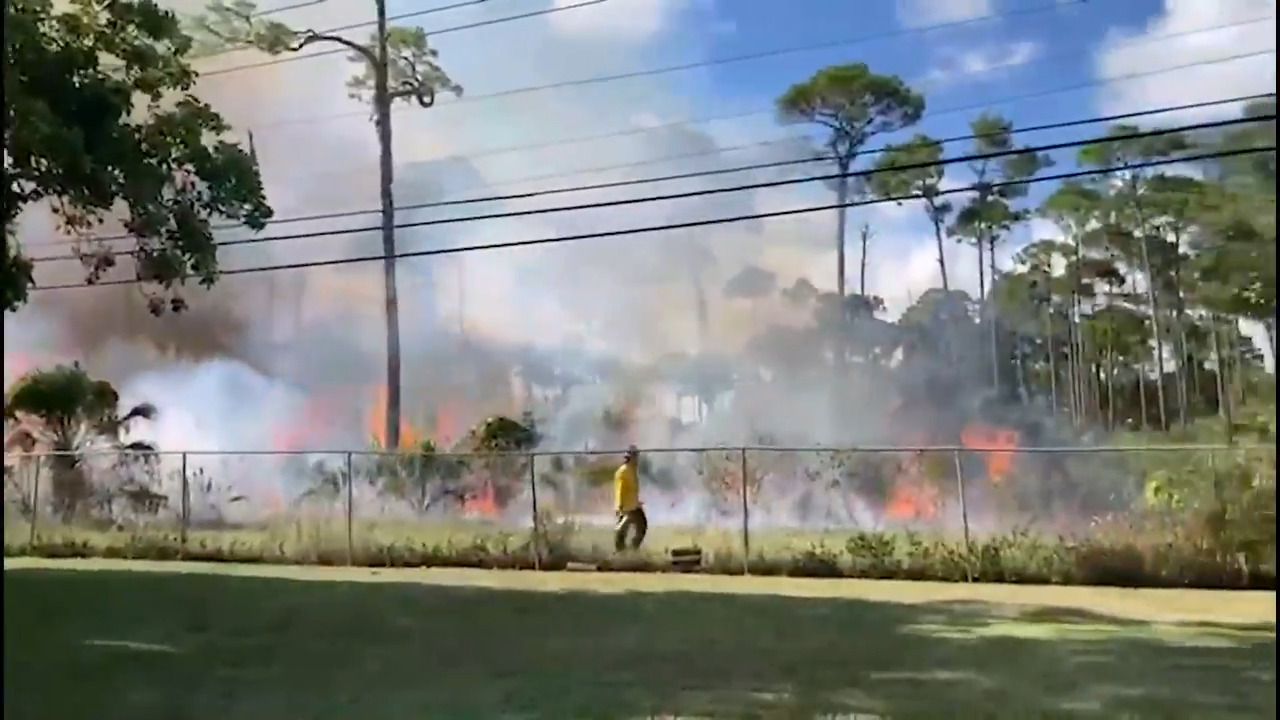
{"x":197,"y":642}
{"x":1159,"y":556}
{"x":101,"y":123}
{"x":1129,"y":322}
{"x":1129,"y":319}
{"x":396,"y":65}
{"x":1204,"y":520}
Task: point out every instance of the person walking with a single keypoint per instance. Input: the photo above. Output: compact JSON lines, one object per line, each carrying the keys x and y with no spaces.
{"x":626,"y":503}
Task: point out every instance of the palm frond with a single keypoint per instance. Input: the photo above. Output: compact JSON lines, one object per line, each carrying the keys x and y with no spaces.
{"x":141,"y":411}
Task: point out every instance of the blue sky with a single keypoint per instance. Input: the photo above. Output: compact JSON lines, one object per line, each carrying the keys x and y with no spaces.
{"x":630,"y":295}
{"x":992,"y":55}
{"x":1054,"y":45}
{"x":319,"y":153}
{"x":1026,"y":48}
{"x":1008,"y":56}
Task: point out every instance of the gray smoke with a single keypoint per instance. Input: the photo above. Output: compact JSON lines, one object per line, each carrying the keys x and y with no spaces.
{"x":299,"y":353}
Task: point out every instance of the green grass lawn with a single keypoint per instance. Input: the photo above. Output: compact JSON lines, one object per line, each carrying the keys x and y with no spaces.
{"x":97,"y":639}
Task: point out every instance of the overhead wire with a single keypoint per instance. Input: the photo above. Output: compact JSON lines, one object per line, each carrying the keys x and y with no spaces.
{"x":649,"y":72}
{"x":710,"y":191}
{"x":667,"y":227}
{"x":341,"y":28}
{"x":1118,"y":117}
{"x":696,"y":174}
{"x":441,"y":31}
{"x":1008,"y":100}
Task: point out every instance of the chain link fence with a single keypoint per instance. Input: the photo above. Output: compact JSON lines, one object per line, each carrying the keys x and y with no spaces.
{"x":345,"y":507}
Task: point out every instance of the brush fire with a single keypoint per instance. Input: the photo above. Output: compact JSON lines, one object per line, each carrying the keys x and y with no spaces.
{"x":469,"y":463}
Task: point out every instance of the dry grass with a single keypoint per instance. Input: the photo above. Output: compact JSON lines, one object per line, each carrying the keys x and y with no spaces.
{"x":302,"y":536}
{"x":1111,"y":558}
{"x":189,"y":640}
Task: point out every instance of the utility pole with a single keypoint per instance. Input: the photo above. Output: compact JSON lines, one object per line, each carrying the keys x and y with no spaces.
{"x":416,"y":84}
{"x":386,"y":171}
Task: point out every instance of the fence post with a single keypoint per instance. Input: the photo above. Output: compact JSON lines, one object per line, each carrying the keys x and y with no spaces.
{"x":746,"y":517}
{"x":351,"y":502}
{"x":35,"y":505}
{"x":184,"y":505}
{"x":964,"y":510}
{"x":536,"y":543}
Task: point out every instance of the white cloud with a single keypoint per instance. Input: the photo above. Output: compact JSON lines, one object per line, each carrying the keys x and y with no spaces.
{"x":1124,"y":53}
{"x":982,"y":61}
{"x":630,"y":20}
{"x":922,"y":13}
{"x":318,"y":154}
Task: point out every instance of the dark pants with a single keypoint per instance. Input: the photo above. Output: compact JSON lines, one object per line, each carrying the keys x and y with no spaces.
{"x":631,"y":519}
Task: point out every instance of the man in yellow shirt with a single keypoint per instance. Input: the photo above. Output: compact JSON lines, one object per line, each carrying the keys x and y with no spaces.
{"x":626,"y":502}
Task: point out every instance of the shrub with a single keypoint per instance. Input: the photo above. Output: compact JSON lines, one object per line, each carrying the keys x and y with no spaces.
{"x":1113,"y":557}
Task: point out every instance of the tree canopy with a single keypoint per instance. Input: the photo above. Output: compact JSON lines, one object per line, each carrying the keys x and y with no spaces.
{"x":102,"y":123}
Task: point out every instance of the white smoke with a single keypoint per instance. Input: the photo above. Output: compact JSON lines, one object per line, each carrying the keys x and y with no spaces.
{"x":247,"y":362}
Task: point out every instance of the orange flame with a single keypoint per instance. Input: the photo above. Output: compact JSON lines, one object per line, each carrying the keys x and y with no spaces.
{"x":376,"y":423}
{"x":448,"y":425}
{"x":17,"y":364}
{"x":316,"y":417}
{"x":1000,"y":445}
{"x":912,"y":501}
{"x":483,"y":503}
{"x":912,"y":496}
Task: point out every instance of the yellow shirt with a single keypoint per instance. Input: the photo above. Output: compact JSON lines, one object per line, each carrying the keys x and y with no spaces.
{"x":626,"y":489}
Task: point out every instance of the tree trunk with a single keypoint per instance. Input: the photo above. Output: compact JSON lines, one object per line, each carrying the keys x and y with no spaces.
{"x":842,"y":218}
{"x":1237,"y":378}
{"x":1083,"y":365}
{"x":1181,"y":369}
{"x":991,"y":317}
{"x":1197,"y":370}
{"x":1153,"y":302}
{"x":1269,"y":326}
{"x":942,"y":256}
{"x":865,"y":239}
{"x":1072,"y":360}
{"x":1224,"y":395}
{"x":940,"y":241}
{"x":1076,"y":350}
{"x":1111,"y":387}
{"x":1096,"y":383}
{"x":1180,"y":331}
{"x":1141,"y":375}
{"x":982,"y":269}
{"x":1053,"y":360}
{"x":386,"y":174}
{"x":1153,"y":307}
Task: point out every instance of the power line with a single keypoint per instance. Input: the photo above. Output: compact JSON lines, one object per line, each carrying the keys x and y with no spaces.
{"x":1008,"y":100}
{"x":755,"y":186}
{"x":641,"y":73}
{"x":340,"y":28}
{"x":778,"y":163}
{"x":289,"y":8}
{"x":701,"y":173}
{"x":719,"y":61}
{"x":441,"y":31}
{"x":697,"y":223}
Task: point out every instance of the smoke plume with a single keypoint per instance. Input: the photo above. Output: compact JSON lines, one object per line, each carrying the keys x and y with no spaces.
{"x":295,"y":357}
